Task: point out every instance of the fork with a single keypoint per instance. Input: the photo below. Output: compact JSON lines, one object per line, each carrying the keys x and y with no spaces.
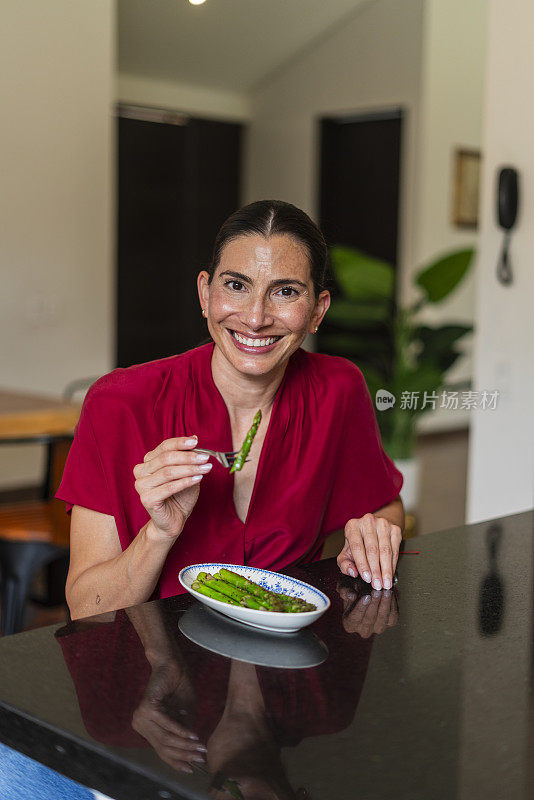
{"x":226,"y":459}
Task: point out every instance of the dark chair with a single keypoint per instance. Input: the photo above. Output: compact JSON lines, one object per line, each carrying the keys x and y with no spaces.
{"x":34,"y":535}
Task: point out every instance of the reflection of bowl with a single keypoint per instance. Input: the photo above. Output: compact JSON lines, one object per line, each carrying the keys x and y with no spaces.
{"x":267,"y":620}
{"x":226,"y":637}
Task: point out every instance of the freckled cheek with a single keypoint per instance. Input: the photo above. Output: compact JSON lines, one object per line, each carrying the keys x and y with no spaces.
{"x":295,"y":318}
{"x":221,"y":306}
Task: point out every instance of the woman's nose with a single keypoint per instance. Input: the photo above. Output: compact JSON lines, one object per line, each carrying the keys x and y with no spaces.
{"x":257,"y":313}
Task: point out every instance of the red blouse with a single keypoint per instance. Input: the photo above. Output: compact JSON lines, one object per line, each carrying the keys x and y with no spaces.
{"x":321,"y":464}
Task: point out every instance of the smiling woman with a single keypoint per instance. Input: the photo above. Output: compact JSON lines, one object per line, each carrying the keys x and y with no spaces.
{"x":132,"y":480}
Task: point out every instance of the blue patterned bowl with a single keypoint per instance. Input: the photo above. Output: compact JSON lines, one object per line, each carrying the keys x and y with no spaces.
{"x":267,"y":620}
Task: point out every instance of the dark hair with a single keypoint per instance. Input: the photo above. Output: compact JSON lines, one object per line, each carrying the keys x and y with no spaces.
{"x":269,"y":218}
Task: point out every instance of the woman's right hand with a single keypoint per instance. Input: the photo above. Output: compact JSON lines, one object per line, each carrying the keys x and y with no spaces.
{"x":168,"y":483}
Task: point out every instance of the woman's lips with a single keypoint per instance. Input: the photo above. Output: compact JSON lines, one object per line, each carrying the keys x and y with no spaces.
{"x":251,"y":348}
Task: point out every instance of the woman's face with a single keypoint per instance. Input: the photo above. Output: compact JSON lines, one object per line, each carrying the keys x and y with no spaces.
{"x":260,"y":303}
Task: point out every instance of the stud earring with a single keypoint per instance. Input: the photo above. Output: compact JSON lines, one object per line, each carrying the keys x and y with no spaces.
{"x":316,"y":329}
{"x":203,"y":312}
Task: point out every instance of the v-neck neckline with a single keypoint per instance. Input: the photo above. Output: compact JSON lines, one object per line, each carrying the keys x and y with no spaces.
{"x":228,"y":435}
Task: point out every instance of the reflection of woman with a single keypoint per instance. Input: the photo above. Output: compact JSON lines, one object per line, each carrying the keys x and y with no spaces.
{"x":137,"y":681}
{"x":133,"y":479}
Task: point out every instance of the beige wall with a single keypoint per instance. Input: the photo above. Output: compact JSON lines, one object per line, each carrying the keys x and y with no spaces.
{"x":424,"y":55}
{"x":501,"y":468}
{"x":182,"y":96}
{"x":372,"y":61}
{"x":449,"y":116}
{"x":56,"y":67}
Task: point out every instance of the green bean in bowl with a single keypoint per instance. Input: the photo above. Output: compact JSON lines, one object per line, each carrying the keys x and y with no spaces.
{"x":255,"y":596}
{"x":232,"y":588}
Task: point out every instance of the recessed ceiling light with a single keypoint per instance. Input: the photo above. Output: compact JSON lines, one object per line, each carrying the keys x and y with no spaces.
{"x":197,"y":2}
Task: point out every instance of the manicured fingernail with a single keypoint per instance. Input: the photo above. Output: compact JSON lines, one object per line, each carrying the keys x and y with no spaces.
{"x":205,"y":467}
{"x":351,"y":572}
{"x":351,"y":595}
{"x":196,"y":478}
{"x":387,"y":583}
{"x":192,"y":441}
{"x":366,"y":600}
{"x":188,"y":770}
{"x":376,"y":594}
{"x":367,"y":577}
{"x":201,"y":458}
{"x":202,"y":748}
{"x":193,"y":736}
{"x":200,"y":759}
{"x":376,"y":584}
{"x":387,"y":593}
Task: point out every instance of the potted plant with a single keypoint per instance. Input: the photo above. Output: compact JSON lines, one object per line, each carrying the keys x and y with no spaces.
{"x":400,"y":357}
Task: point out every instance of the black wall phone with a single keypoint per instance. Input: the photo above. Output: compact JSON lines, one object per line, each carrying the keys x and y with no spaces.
{"x":507,"y":204}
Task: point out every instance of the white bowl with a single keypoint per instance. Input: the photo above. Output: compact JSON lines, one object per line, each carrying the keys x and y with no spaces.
{"x":267,"y":620}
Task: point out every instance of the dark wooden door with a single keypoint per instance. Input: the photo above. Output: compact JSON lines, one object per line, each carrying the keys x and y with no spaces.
{"x":359,"y":207}
{"x":359,"y":182}
{"x":177,"y":183}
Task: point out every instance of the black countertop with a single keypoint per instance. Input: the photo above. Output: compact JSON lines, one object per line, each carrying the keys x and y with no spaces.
{"x":420,"y":693}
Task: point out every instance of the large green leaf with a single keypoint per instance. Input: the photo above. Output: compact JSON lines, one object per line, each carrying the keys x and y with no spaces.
{"x":438,"y":340}
{"x":442,"y":276}
{"x":346,"y":344}
{"x":362,"y":277}
{"x":437,"y":344}
{"x":352,"y":315}
{"x":427,"y":378}
{"x":368,"y":353}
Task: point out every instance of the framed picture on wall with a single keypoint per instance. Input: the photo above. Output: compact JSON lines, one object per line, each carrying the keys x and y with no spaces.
{"x":466,"y":184}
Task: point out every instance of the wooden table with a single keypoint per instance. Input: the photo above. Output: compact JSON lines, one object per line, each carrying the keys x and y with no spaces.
{"x":27,"y":416}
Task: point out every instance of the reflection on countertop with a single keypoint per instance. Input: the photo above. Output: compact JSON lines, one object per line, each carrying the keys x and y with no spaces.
{"x":421,"y":692}
{"x":215,"y":699}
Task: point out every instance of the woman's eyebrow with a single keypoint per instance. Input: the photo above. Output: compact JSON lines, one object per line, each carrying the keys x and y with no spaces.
{"x":237,"y":275}
{"x":285,"y":281}
{"x":278,"y":282}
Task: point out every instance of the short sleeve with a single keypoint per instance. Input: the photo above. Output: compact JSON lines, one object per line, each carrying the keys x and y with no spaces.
{"x":365,"y":478}
{"x":84,"y":480}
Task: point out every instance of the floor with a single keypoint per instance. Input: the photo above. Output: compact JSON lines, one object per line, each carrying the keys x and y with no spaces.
{"x":443,"y":480}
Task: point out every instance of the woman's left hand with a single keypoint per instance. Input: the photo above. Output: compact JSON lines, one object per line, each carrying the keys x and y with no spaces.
{"x":371,"y":550}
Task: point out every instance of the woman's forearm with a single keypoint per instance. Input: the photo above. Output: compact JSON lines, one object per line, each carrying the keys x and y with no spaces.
{"x":126,"y":580}
{"x":393,"y":512}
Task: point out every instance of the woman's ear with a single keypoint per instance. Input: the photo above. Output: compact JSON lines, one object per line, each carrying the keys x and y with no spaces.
{"x":203,"y":290}
{"x":321,"y":307}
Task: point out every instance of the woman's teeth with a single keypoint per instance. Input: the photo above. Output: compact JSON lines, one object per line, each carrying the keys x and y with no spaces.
{"x":255,"y":342}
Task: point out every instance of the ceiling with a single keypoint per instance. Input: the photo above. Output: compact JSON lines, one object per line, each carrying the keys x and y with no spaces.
{"x":224,"y":44}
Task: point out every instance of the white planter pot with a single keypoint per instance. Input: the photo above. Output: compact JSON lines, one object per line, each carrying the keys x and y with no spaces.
{"x":410,"y":488}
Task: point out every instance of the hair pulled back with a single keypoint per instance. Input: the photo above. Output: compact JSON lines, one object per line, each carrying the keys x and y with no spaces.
{"x":271,"y":218}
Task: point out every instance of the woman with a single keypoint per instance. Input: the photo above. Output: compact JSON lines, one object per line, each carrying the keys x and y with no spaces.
{"x":133,"y":478}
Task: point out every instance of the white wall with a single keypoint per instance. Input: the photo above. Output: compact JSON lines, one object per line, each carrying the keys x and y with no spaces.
{"x":181,"y":96}
{"x":424,"y":55}
{"x":449,"y":116}
{"x":372,"y":61}
{"x":56,"y":67}
{"x":501,"y":459}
